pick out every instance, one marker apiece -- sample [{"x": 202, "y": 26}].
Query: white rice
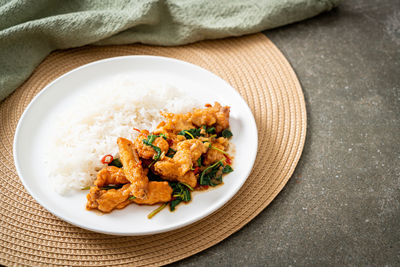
[{"x": 89, "y": 129}]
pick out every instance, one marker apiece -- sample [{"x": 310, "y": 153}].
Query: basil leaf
[
  {"x": 163, "y": 136},
  {"x": 227, "y": 169},
  {"x": 171, "y": 152},
  {"x": 151, "y": 138},
  {"x": 180, "y": 192},
  {"x": 191, "y": 133},
  {"x": 116, "y": 162},
  {"x": 216, "y": 181},
  {"x": 211, "y": 130},
  {"x": 158, "y": 150},
  {"x": 174, "y": 203},
  {"x": 227, "y": 133},
  {"x": 199, "y": 162},
  {"x": 209, "y": 173},
  {"x": 149, "y": 141}
]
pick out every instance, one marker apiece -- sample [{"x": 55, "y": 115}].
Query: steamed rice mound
[{"x": 89, "y": 129}]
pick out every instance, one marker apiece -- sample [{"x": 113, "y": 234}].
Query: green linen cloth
[{"x": 31, "y": 29}]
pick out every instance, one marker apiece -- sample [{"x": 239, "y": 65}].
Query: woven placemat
[{"x": 252, "y": 65}]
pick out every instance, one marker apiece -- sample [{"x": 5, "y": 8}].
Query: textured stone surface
[{"x": 342, "y": 204}]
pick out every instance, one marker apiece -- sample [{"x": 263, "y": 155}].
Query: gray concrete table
[{"x": 342, "y": 204}]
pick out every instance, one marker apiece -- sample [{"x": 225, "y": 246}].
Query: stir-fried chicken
[
  {"x": 145, "y": 151},
  {"x": 158, "y": 192},
  {"x": 188, "y": 152},
  {"x": 107, "y": 200},
  {"x": 174, "y": 124},
  {"x": 132, "y": 168},
  {"x": 188, "y": 178},
  {"x": 110, "y": 175},
  {"x": 214, "y": 155},
  {"x": 183, "y": 149},
  {"x": 194, "y": 147},
  {"x": 212, "y": 115}
]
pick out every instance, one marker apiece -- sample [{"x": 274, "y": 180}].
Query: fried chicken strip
[
  {"x": 110, "y": 175},
  {"x": 132, "y": 168},
  {"x": 107, "y": 200},
  {"x": 158, "y": 192},
  {"x": 178, "y": 168}
]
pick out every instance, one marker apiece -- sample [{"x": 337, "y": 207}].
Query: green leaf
[
  {"x": 188, "y": 186},
  {"x": 174, "y": 203},
  {"x": 183, "y": 133},
  {"x": 191, "y": 133},
  {"x": 186, "y": 196},
  {"x": 216, "y": 181},
  {"x": 158, "y": 150},
  {"x": 227, "y": 133},
  {"x": 170, "y": 153},
  {"x": 163, "y": 136},
  {"x": 211, "y": 130},
  {"x": 227, "y": 169},
  {"x": 205, "y": 180},
  {"x": 181, "y": 192},
  {"x": 149, "y": 141},
  {"x": 132, "y": 198},
  {"x": 116, "y": 162},
  {"x": 199, "y": 162},
  {"x": 209, "y": 173}
]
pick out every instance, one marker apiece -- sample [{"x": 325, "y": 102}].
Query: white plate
[{"x": 30, "y": 138}]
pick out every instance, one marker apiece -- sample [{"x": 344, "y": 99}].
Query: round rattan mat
[{"x": 32, "y": 236}]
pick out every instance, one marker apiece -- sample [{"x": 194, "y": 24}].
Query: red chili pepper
[
  {"x": 196, "y": 170},
  {"x": 107, "y": 159},
  {"x": 228, "y": 159},
  {"x": 136, "y": 129}
]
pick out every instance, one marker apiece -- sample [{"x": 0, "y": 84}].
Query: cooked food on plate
[
  {"x": 184, "y": 153},
  {"x": 91, "y": 125}
]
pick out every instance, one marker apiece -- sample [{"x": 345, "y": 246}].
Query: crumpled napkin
[{"x": 30, "y": 30}]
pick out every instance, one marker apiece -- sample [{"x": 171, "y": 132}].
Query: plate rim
[{"x": 163, "y": 230}]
